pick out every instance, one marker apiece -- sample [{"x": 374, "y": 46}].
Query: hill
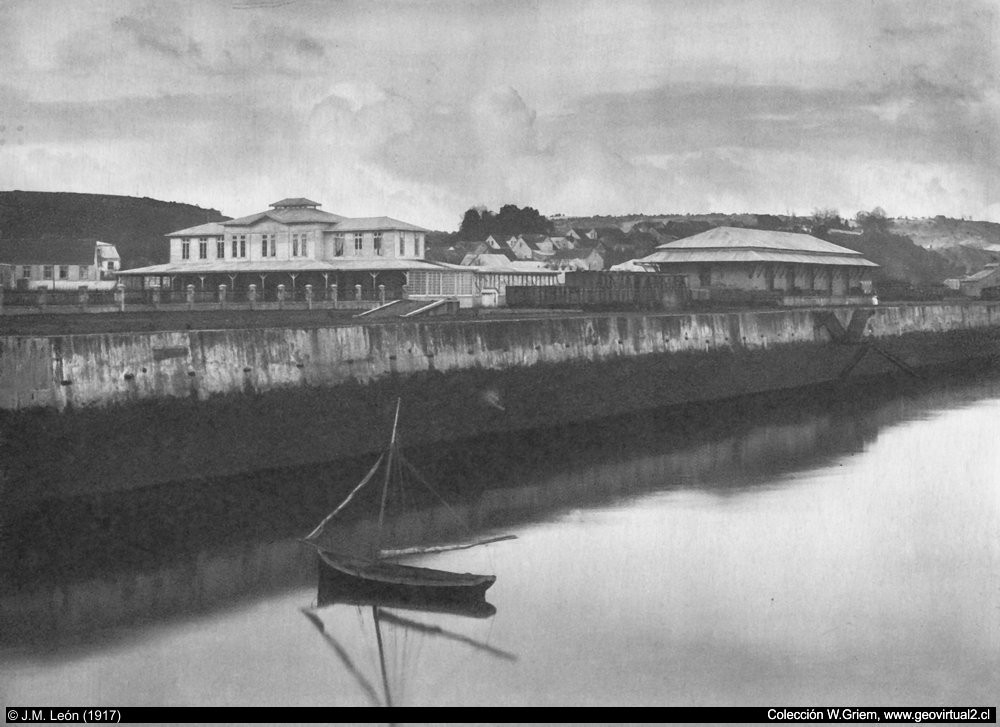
[
  {"x": 135, "y": 225},
  {"x": 898, "y": 257},
  {"x": 901, "y": 259},
  {"x": 940, "y": 232}
]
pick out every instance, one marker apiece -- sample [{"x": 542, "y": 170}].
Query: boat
[
  {"x": 334, "y": 589},
  {"x": 367, "y": 569}
]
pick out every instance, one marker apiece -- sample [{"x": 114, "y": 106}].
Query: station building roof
[{"x": 284, "y": 266}]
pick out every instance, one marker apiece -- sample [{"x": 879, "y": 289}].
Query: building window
[
  {"x": 419, "y": 245},
  {"x": 304, "y": 250},
  {"x": 359, "y": 243},
  {"x": 295, "y": 245},
  {"x": 47, "y": 272},
  {"x": 267, "y": 246},
  {"x": 235, "y": 247},
  {"x": 220, "y": 248},
  {"x": 243, "y": 245},
  {"x": 64, "y": 272},
  {"x": 338, "y": 244},
  {"x": 84, "y": 272},
  {"x": 274, "y": 248},
  {"x": 402, "y": 244},
  {"x": 185, "y": 250},
  {"x": 263, "y": 245},
  {"x": 203, "y": 248},
  {"x": 26, "y": 272},
  {"x": 377, "y": 241}
]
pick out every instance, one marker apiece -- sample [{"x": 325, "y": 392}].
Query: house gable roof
[
  {"x": 989, "y": 270},
  {"x": 48, "y": 251},
  {"x": 534, "y": 238},
  {"x": 607, "y": 231}
]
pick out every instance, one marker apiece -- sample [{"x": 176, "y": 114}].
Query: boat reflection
[{"x": 377, "y": 615}]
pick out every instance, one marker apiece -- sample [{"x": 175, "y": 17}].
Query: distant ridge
[
  {"x": 135, "y": 225},
  {"x": 915, "y": 251}
]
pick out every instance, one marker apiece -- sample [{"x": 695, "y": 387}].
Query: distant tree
[
  {"x": 769, "y": 222},
  {"x": 823, "y": 220},
  {"x": 685, "y": 228},
  {"x": 478, "y": 223},
  {"x": 472, "y": 225},
  {"x": 873, "y": 223}
]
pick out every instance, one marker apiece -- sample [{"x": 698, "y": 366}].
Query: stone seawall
[
  {"x": 126, "y": 410},
  {"x": 115, "y": 369}
]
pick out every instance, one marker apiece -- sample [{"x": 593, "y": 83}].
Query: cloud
[
  {"x": 359, "y": 118},
  {"x": 578, "y": 107},
  {"x": 503, "y": 124},
  {"x": 159, "y": 35}
]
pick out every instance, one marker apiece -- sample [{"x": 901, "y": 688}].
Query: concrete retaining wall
[
  {"x": 80, "y": 414},
  {"x": 113, "y": 369}
]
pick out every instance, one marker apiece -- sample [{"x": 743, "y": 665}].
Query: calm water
[{"x": 802, "y": 552}]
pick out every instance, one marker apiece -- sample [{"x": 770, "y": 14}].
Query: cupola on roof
[{"x": 293, "y": 202}]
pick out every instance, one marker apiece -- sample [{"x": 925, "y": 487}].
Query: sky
[{"x": 420, "y": 109}]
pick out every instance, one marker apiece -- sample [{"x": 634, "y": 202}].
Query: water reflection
[
  {"x": 728, "y": 548},
  {"x": 385, "y": 623}
]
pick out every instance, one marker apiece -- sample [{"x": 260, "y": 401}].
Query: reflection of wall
[
  {"x": 147, "y": 408},
  {"x": 43, "y": 595}
]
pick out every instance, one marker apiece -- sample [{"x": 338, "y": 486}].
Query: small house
[
  {"x": 58, "y": 263},
  {"x": 983, "y": 284},
  {"x": 581, "y": 259}
]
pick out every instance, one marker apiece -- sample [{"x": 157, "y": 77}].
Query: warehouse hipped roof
[{"x": 737, "y": 244}]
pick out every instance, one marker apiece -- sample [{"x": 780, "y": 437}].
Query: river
[{"x": 832, "y": 547}]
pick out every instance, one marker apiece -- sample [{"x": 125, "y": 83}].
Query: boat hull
[{"x": 345, "y": 580}]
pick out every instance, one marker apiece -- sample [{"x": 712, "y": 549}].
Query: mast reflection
[{"x": 377, "y": 616}]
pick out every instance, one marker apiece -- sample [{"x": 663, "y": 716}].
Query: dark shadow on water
[
  {"x": 72, "y": 567},
  {"x": 332, "y": 617}
]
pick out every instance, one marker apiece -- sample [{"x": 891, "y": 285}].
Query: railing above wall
[{"x": 84, "y": 300}]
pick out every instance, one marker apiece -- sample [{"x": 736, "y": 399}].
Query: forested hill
[{"x": 135, "y": 225}]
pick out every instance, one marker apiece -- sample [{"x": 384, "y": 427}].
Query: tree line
[{"x": 479, "y": 222}]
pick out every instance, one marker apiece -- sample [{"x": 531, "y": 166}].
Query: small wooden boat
[
  {"x": 371, "y": 573},
  {"x": 401, "y": 583},
  {"x": 338, "y": 587}
]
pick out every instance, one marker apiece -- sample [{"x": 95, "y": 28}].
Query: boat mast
[
  {"x": 388, "y": 474},
  {"x": 381, "y": 652}
]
